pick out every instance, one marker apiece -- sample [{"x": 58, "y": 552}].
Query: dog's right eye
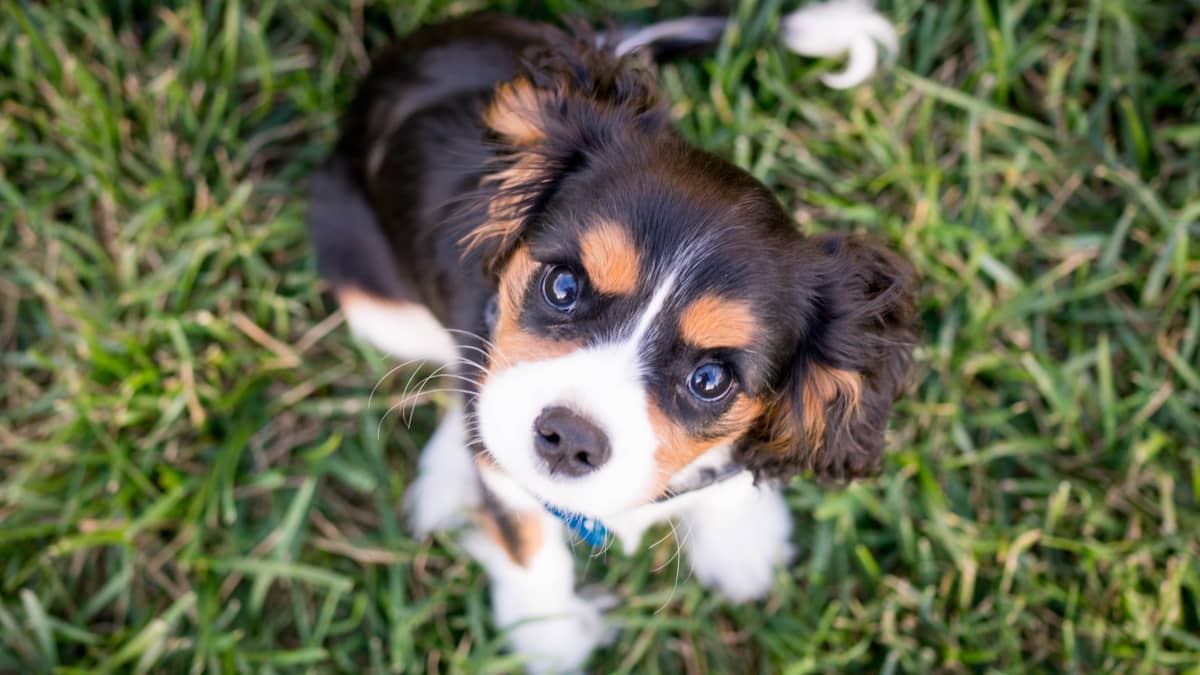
[
  {"x": 560, "y": 287},
  {"x": 710, "y": 382}
]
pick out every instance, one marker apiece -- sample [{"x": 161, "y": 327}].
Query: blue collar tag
[{"x": 590, "y": 530}]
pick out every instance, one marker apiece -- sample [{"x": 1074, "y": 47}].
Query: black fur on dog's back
[{"x": 411, "y": 147}]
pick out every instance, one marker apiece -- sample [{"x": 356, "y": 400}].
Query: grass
[{"x": 190, "y": 474}]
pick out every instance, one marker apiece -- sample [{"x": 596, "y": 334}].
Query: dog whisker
[
  {"x": 462, "y": 378},
  {"x": 416, "y": 398},
  {"x": 420, "y": 388},
  {"x": 482, "y": 352},
  {"x": 388, "y": 374},
  {"x": 412, "y": 377},
  {"x": 487, "y": 342}
]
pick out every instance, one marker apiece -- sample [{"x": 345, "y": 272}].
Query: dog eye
[
  {"x": 710, "y": 381},
  {"x": 560, "y": 287}
]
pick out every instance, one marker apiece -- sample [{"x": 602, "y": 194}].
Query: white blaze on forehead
[
  {"x": 602, "y": 383},
  {"x": 650, "y": 313}
]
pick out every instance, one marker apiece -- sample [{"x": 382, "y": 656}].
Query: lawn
[{"x": 194, "y": 478}]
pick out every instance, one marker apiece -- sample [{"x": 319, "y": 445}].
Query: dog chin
[{"x": 593, "y": 496}]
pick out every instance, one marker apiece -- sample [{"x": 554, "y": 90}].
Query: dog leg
[
  {"x": 406, "y": 330},
  {"x": 735, "y": 538},
  {"x": 533, "y": 591},
  {"x": 446, "y": 489},
  {"x": 355, "y": 257}
]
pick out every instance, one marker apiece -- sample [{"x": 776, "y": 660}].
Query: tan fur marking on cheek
[
  {"x": 742, "y": 415},
  {"x": 512, "y": 343},
  {"x": 516, "y": 346},
  {"x": 677, "y": 448},
  {"x": 822, "y": 386},
  {"x": 515, "y": 112},
  {"x": 519, "y": 534},
  {"x": 610, "y": 258},
  {"x": 513, "y": 281},
  {"x": 711, "y": 321}
]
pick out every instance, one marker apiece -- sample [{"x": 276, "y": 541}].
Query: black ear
[
  {"x": 851, "y": 363},
  {"x": 572, "y": 100}
]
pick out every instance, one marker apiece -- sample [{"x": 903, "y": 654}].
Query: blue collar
[
  {"x": 594, "y": 533},
  {"x": 590, "y": 530}
]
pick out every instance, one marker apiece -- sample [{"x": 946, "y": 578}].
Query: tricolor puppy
[{"x": 639, "y": 330}]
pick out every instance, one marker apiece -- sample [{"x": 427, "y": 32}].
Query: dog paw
[
  {"x": 742, "y": 576},
  {"x": 562, "y": 643},
  {"x": 602, "y": 602},
  {"x": 738, "y": 555}
]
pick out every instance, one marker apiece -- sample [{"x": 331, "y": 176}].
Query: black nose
[{"x": 570, "y": 444}]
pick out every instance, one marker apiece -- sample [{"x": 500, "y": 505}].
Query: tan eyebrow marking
[
  {"x": 610, "y": 258},
  {"x": 712, "y": 321}
]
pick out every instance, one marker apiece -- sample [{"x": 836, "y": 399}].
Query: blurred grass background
[{"x": 190, "y": 475}]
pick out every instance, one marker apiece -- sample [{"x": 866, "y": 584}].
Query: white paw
[
  {"x": 735, "y": 545},
  {"x": 743, "y": 576},
  {"x": 446, "y": 487},
  {"x": 548, "y": 624},
  {"x": 562, "y": 642}
]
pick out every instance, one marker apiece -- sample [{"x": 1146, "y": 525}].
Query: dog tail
[
  {"x": 820, "y": 29},
  {"x": 670, "y": 39}
]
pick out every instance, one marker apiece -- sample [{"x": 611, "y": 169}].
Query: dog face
[{"x": 655, "y": 303}]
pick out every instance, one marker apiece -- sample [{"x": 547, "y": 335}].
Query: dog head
[{"x": 656, "y": 303}]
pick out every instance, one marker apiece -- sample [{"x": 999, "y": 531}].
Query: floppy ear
[
  {"x": 851, "y": 362},
  {"x": 571, "y": 101}
]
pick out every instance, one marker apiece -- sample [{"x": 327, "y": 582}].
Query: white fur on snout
[{"x": 603, "y": 384}]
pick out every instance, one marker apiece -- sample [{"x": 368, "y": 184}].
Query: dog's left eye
[
  {"x": 710, "y": 381},
  {"x": 560, "y": 287}
]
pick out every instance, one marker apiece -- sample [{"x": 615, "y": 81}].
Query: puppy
[{"x": 639, "y": 330}]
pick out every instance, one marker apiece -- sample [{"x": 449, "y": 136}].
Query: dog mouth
[{"x": 537, "y": 486}]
